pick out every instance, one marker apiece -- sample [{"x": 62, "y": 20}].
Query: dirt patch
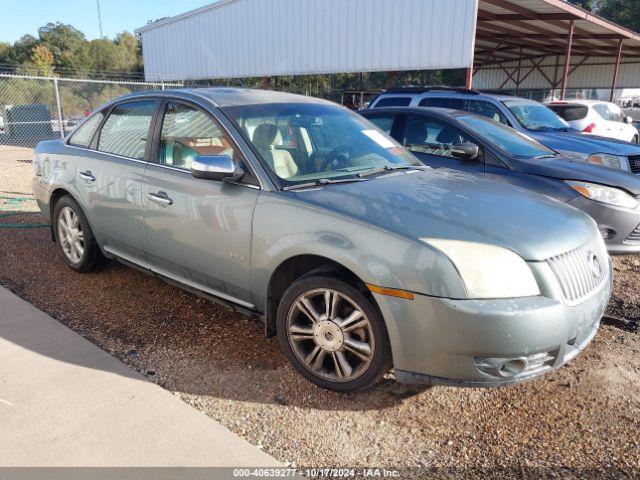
[{"x": 585, "y": 416}]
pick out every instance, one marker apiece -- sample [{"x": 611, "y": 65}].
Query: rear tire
[
  {"x": 74, "y": 236},
  {"x": 635, "y": 139},
  {"x": 332, "y": 334}
]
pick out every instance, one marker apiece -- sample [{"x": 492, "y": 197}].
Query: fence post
[{"x": 58, "y": 107}]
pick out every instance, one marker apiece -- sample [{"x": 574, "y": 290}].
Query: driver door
[
  {"x": 431, "y": 139},
  {"x": 197, "y": 232}
]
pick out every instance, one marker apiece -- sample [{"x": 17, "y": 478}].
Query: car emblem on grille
[{"x": 594, "y": 264}]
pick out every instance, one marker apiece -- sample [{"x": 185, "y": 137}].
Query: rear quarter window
[
  {"x": 570, "y": 112},
  {"x": 394, "y": 102},
  {"x": 84, "y": 134}
]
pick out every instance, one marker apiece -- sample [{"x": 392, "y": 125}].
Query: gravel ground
[{"x": 584, "y": 417}]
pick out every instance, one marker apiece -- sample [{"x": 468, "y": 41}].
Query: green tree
[
  {"x": 68, "y": 45},
  {"x": 42, "y": 60},
  {"x": 624, "y": 12}
]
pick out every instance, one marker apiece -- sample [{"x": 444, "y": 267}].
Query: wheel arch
[
  {"x": 56, "y": 195},
  {"x": 297, "y": 266}
]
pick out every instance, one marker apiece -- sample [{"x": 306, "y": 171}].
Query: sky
[{"x": 20, "y": 17}]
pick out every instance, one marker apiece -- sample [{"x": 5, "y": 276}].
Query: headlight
[
  {"x": 602, "y": 194},
  {"x": 488, "y": 271},
  {"x": 613, "y": 161}
]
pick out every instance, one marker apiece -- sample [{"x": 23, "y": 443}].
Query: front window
[
  {"x": 424, "y": 134},
  {"x": 535, "y": 116},
  {"x": 511, "y": 142},
  {"x": 306, "y": 142},
  {"x": 187, "y": 133}
]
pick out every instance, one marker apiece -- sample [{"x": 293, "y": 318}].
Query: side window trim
[
  {"x": 157, "y": 132},
  {"x": 96, "y": 136}
]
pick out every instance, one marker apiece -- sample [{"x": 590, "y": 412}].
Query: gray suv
[{"x": 305, "y": 215}]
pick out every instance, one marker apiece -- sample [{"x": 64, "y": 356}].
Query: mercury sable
[{"x": 356, "y": 256}]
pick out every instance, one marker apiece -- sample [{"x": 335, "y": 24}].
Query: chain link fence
[{"x": 33, "y": 108}]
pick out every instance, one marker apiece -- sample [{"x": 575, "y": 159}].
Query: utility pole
[{"x": 99, "y": 19}]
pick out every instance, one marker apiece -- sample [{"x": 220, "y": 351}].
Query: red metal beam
[
  {"x": 615, "y": 71},
  {"x": 567, "y": 61}
]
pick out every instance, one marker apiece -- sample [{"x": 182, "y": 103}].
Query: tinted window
[
  {"x": 479, "y": 107},
  {"x": 188, "y": 132},
  {"x": 439, "y": 102},
  {"x": 303, "y": 142},
  {"x": 393, "y": 102},
  {"x": 510, "y": 141},
  {"x": 429, "y": 135},
  {"x": 83, "y": 135},
  {"x": 383, "y": 122},
  {"x": 126, "y": 130},
  {"x": 570, "y": 112}
]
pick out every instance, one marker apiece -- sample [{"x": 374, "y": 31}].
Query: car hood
[
  {"x": 448, "y": 204},
  {"x": 565, "y": 168},
  {"x": 585, "y": 144}
]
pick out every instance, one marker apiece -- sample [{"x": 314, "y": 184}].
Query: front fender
[{"x": 284, "y": 228}]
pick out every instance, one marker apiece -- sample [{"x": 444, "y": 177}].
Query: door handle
[
  {"x": 160, "y": 198},
  {"x": 87, "y": 175}
]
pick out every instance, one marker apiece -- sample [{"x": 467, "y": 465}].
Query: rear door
[
  {"x": 109, "y": 176},
  {"x": 197, "y": 232}
]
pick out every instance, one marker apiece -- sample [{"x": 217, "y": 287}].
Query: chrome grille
[
  {"x": 582, "y": 270},
  {"x": 634, "y": 164},
  {"x": 634, "y": 237}
]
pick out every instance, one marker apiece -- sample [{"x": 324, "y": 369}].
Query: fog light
[
  {"x": 607, "y": 233},
  {"x": 511, "y": 367}
]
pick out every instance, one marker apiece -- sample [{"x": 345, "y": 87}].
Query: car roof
[
  {"x": 576, "y": 101},
  {"x": 230, "y": 96},
  {"x": 437, "y": 111},
  {"x": 451, "y": 92}
]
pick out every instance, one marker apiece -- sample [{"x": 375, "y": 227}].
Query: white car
[{"x": 597, "y": 118}]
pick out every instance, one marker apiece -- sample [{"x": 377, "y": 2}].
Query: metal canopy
[{"x": 550, "y": 41}]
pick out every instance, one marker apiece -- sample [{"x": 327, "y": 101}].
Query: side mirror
[
  {"x": 466, "y": 151},
  {"x": 216, "y": 167},
  {"x": 628, "y": 120}
]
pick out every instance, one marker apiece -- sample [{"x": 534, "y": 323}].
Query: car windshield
[
  {"x": 307, "y": 142},
  {"x": 510, "y": 141},
  {"x": 535, "y": 116}
]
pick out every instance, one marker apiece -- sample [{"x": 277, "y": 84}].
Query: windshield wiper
[
  {"x": 547, "y": 155},
  {"x": 322, "y": 181},
  {"x": 390, "y": 169}
]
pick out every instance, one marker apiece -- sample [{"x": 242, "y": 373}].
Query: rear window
[
  {"x": 570, "y": 112},
  {"x": 394, "y": 102}
]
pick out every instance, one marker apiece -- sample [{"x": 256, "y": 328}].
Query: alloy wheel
[
  {"x": 330, "y": 335},
  {"x": 70, "y": 234}
]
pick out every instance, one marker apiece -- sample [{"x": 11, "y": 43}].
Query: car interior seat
[
  {"x": 416, "y": 135},
  {"x": 265, "y": 138}
]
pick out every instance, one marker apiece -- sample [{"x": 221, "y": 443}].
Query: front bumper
[
  {"x": 621, "y": 222},
  {"x": 444, "y": 341}
]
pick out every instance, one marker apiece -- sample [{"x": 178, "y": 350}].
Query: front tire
[
  {"x": 74, "y": 236},
  {"x": 333, "y": 334}
]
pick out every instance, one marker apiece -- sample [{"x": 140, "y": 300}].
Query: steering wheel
[{"x": 337, "y": 154}]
